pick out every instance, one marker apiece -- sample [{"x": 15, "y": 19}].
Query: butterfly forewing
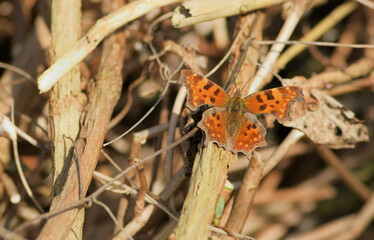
[
  {"x": 202, "y": 91},
  {"x": 276, "y": 101}
]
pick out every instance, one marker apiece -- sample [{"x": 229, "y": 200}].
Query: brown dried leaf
[{"x": 331, "y": 124}]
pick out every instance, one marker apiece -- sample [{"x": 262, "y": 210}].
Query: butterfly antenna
[
  {"x": 239, "y": 63},
  {"x": 270, "y": 70},
  {"x": 236, "y": 87},
  {"x": 246, "y": 45},
  {"x": 247, "y": 82}
]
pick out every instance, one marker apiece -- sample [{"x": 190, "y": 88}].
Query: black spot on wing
[
  {"x": 269, "y": 95},
  {"x": 216, "y": 92},
  {"x": 262, "y": 107},
  {"x": 208, "y": 85},
  {"x": 258, "y": 98},
  {"x": 212, "y": 100}
]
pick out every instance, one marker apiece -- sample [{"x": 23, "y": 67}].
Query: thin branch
[
  {"x": 321, "y": 28},
  {"x": 28, "y": 138},
  {"x": 112, "y": 217},
  {"x": 316, "y": 43},
  {"x": 285, "y": 33},
  {"x": 202, "y": 11},
  {"x": 366, "y": 3},
  {"x": 131, "y": 191},
  {"x": 8, "y": 235},
  {"x": 129, "y": 101},
  {"x": 292, "y": 138},
  {"x": 347, "y": 176},
  {"x": 246, "y": 194},
  {"x": 233, "y": 45},
  {"x": 10, "y": 188},
  {"x": 18, "y": 71},
  {"x": 103, "y": 188},
  {"x": 95, "y": 35},
  {"x": 148, "y": 112},
  {"x": 360, "y": 222},
  {"x": 20, "y": 171},
  {"x": 115, "y": 165}
]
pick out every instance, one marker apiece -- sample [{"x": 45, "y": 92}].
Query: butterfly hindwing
[
  {"x": 250, "y": 134},
  {"x": 249, "y": 131},
  {"x": 213, "y": 124}
]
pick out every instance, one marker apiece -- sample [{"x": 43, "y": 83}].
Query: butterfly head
[{"x": 236, "y": 104}]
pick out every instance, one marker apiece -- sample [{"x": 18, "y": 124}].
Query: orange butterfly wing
[
  {"x": 202, "y": 91},
  {"x": 214, "y": 125},
  {"x": 250, "y": 134},
  {"x": 276, "y": 101}
]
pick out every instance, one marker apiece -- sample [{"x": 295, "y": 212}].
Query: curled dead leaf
[{"x": 331, "y": 124}]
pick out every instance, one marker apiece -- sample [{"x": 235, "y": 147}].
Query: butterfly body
[
  {"x": 231, "y": 122},
  {"x": 236, "y": 108}
]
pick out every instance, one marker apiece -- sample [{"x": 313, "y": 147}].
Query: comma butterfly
[{"x": 231, "y": 122}]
